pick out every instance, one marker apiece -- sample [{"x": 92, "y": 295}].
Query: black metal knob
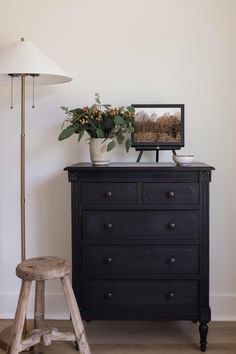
[
  {"x": 171, "y": 194},
  {"x": 108, "y": 226},
  {"x": 170, "y": 295},
  {"x": 172, "y": 225},
  {"x": 108, "y": 295},
  {"x": 108, "y": 260},
  {"x": 171, "y": 261},
  {"x": 108, "y": 195}
]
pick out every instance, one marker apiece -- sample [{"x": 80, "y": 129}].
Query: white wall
[{"x": 131, "y": 51}]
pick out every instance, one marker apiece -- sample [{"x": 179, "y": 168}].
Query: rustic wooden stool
[{"x": 40, "y": 269}]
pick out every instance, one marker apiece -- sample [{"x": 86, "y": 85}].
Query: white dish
[{"x": 183, "y": 159}]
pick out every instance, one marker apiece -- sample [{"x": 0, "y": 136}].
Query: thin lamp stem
[{"x": 22, "y": 164}]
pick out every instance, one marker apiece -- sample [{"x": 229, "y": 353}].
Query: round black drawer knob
[
  {"x": 108, "y": 195},
  {"x": 108, "y": 226},
  {"x": 108, "y": 295},
  {"x": 172, "y": 261},
  {"x": 108, "y": 260},
  {"x": 172, "y": 225},
  {"x": 171, "y": 194},
  {"x": 171, "y": 296}
]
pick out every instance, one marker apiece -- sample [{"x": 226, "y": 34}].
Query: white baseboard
[
  {"x": 223, "y": 306},
  {"x": 56, "y": 307}
]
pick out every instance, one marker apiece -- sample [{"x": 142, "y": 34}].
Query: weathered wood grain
[{"x": 43, "y": 268}]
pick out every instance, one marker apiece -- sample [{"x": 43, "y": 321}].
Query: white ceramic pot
[{"x": 98, "y": 151}]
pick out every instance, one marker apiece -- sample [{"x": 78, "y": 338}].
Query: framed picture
[{"x": 158, "y": 126}]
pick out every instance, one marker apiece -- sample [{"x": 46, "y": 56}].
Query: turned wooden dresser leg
[
  {"x": 20, "y": 317},
  {"x": 75, "y": 316},
  {"x": 203, "y": 330},
  {"x": 39, "y": 310}
]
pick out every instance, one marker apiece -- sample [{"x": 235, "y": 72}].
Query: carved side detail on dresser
[
  {"x": 204, "y": 176},
  {"x": 73, "y": 176}
]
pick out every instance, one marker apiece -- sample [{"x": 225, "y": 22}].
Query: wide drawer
[
  {"x": 166, "y": 293},
  {"x": 109, "y": 193},
  {"x": 170, "y": 193},
  {"x": 139, "y": 261},
  {"x": 144, "y": 225}
]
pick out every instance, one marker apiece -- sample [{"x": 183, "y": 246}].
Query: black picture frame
[{"x": 174, "y": 145}]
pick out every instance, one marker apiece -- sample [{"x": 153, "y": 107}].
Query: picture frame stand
[{"x": 157, "y": 153}]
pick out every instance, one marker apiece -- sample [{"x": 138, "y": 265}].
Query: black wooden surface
[
  {"x": 164, "y": 293},
  {"x": 140, "y": 241},
  {"x": 134, "y": 261},
  {"x": 109, "y": 193},
  {"x": 139, "y": 224},
  {"x": 170, "y": 193}
]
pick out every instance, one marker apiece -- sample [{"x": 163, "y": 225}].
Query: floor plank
[{"x": 145, "y": 337}]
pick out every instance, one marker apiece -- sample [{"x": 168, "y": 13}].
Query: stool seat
[{"x": 43, "y": 268}]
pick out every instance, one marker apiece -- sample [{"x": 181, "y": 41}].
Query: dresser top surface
[{"x": 170, "y": 166}]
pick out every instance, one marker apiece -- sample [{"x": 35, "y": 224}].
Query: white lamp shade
[{"x": 25, "y": 58}]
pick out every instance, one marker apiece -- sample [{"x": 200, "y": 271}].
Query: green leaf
[
  {"x": 67, "y": 132},
  {"x": 77, "y": 110},
  {"x": 111, "y": 145},
  {"x": 120, "y": 138},
  {"x": 108, "y": 122},
  {"x": 92, "y": 108},
  {"x": 119, "y": 120},
  {"x": 100, "y": 133},
  {"x": 77, "y": 117},
  {"x": 90, "y": 122},
  {"x": 107, "y": 106},
  {"x": 128, "y": 144},
  {"x": 97, "y": 98},
  {"x": 81, "y": 133},
  {"x": 65, "y": 109},
  {"x": 130, "y": 109}
]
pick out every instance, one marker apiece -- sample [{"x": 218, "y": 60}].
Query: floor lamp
[{"x": 24, "y": 62}]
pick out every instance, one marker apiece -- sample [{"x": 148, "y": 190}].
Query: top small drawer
[
  {"x": 170, "y": 193},
  {"x": 109, "y": 193}
]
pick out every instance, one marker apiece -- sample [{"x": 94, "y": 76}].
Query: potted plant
[{"x": 105, "y": 125}]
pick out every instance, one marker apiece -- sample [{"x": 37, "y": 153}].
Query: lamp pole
[{"x": 22, "y": 164}]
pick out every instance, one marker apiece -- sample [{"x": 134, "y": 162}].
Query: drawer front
[
  {"x": 139, "y": 261},
  {"x": 109, "y": 193},
  {"x": 166, "y": 293},
  {"x": 170, "y": 193},
  {"x": 144, "y": 225}
]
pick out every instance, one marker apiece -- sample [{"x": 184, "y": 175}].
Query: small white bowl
[{"x": 183, "y": 159}]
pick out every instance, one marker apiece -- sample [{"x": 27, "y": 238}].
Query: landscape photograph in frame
[{"x": 158, "y": 125}]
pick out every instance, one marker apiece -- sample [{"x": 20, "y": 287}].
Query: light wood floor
[{"x": 147, "y": 337}]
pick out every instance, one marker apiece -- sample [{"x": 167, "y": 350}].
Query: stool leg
[
  {"x": 39, "y": 309},
  {"x": 75, "y": 316},
  {"x": 20, "y": 317}
]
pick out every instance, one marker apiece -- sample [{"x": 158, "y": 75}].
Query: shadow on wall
[
  {"x": 51, "y": 218},
  {"x": 49, "y": 214}
]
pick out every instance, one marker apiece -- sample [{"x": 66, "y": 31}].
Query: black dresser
[{"x": 140, "y": 242}]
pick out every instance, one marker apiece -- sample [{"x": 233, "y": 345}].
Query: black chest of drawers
[{"x": 140, "y": 242}]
